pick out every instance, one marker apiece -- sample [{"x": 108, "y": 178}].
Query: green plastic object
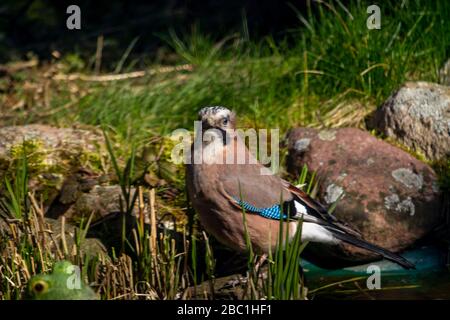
[{"x": 61, "y": 284}]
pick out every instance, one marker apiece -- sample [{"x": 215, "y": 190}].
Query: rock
[
  {"x": 100, "y": 200},
  {"x": 85, "y": 193},
  {"x": 89, "y": 246},
  {"x": 81, "y": 194},
  {"x": 390, "y": 197},
  {"x": 418, "y": 116},
  {"x": 62, "y": 139},
  {"x": 53, "y": 154},
  {"x": 224, "y": 288}
]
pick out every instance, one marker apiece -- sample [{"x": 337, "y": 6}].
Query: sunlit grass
[{"x": 332, "y": 59}]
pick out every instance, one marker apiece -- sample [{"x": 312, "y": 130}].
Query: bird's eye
[
  {"x": 225, "y": 121},
  {"x": 40, "y": 286}
]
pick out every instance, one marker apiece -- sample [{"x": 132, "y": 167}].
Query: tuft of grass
[
  {"x": 282, "y": 280},
  {"x": 16, "y": 204}
]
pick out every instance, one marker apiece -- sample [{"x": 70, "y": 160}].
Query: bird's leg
[{"x": 260, "y": 262}]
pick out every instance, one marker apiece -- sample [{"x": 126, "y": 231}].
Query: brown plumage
[{"x": 215, "y": 186}]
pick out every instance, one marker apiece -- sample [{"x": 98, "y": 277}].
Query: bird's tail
[{"x": 374, "y": 248}]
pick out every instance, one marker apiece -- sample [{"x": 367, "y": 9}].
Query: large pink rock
[{"x": 392, "y": 198}]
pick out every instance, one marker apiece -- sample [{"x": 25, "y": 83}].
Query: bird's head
[{"x": 217, "y": 117}]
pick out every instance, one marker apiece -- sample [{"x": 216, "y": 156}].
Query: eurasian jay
[{"x": 220, "y": 190}]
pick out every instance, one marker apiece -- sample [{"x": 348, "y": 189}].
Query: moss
[
  {"x": 415, "y": 153},
  {"x": 175, "y": 175},
  {"x": 442, "y": 169},
  {"x": 87, "y": 159},
  {"x": 48, "y": 167},
  {"x": 166, "y": 156},
  {"x": 34, "y": 152}
]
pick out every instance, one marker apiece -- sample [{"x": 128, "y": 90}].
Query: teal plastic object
[
  {"x": 430, "y": 279},
  {"x": 426, "y": 259}
]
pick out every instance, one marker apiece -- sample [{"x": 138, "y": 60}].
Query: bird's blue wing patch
[{"x": 273, "y": 212}]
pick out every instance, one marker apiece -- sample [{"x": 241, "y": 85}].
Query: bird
[{"x": 221, "y": 189}]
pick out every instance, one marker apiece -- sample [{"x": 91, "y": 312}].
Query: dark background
[{"x": 39, "y": 26}]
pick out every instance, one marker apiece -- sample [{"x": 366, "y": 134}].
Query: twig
[
  {"x": 98, "y": 54},
  {"x": 17, "y": 66},
  {"x": 63, "y": 236},
  {"x": 40, "y": 221},
  {"x": 141, "y": 208},
  {"x": 122, "y": 76},
  {"x": 152, "y": 221}
]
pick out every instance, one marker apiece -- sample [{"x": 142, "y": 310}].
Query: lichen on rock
[
  {"x": 408, "y": 178},
  {"x": 327, "y": 135},
  {"x": 302, "y": 144},
  {"x": 393, "y": 202},
  {"x": 417, "y": 115},
  {"x": 333, "y": 193}
]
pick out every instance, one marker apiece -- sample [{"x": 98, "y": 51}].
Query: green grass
[
  {"x": 330, "y": 58},
  {"x": 152, "y": 267}
]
